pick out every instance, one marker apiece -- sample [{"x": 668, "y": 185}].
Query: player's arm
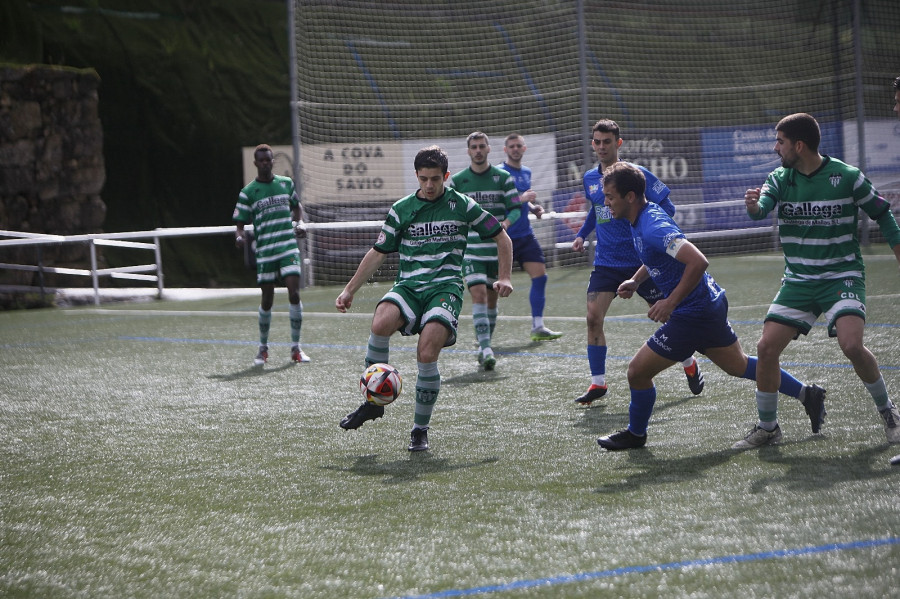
[
  {"x": 370, "y": 263},
  {"x": 514, "y": 205},
  {"x": 627, "y": 288},
  {"x": 658, "y": 192},
  {"x": 590, "y": 222},
  {"x": 297, "y": 221},
  {"x": 503, "y": 285},
  {"x": 758, "y": 205},
  {"x": 239, "y": 233},
  {"x": 695, "y": 264}
]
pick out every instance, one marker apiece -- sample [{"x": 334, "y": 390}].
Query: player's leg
[
  {"x": 644, "y": 366},
  {"x": 481, "y": 322},
  {"x": 529, "y": 254},
  {"x": 849, "y": 329},
  {"x": 770, "y": 379},
  {"x": 387, "y": 320},
  {"x": 439, "y": 331},
  {"x": 599, "y": 298},
  {"x": 295, "y": 314},
  {"x": 264, "y": 321}
]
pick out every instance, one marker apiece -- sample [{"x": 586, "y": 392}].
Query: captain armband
[{"x": 674, "y": 244}]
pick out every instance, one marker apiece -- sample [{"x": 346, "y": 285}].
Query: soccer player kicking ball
[
  {"x": 818, "y": 199},
  {"x": 693, "y": 309},
  {"x": 428, "y": 229}
]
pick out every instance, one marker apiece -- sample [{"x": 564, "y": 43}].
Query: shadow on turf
[
  {"x": 803, "y": 473},
  {"x": 596, "y": 420},
  {"x": 251, "y": 371},
  {"x": 816, "y": 473},
  {"x": 403, "y": 471}
]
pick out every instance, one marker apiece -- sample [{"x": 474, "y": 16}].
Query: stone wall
[{"x": 51, "y": 163}]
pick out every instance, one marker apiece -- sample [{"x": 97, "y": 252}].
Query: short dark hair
[
  {"x": 897, "y": 83},
  {"x": 511, "y": 137},
  {"x": 801, "y": 127},
  {"x": 477, "y": 135},
  {"x": 262, "y": 148},
  {"x": 625, "y": 177},
  {"x": 606, "y": 126},
  {"x": 432, "y": 157}
]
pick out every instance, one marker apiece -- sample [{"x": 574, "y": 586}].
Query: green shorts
[
  {"x": 480, "y": 272},
  {"x": 799, "y": 303},
  {"x": 441, "y": 304},
  {"x": 268, "y": 273}
]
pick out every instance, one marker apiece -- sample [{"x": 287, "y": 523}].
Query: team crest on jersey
[
  {"x": 835, "y": 179},
  {"x": 452, "y": 204},
  {"x": 496, "y": 178},
  {"x": 848, "y": 283}
]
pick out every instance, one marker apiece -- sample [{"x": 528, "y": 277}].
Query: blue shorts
[
  {"x": 527, "y": 249},
  {"x": 604, "y": 278},
  {"x": 681, "y": 336}
]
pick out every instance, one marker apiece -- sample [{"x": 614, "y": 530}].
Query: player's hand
[
  {"x": 660, "y": 311},
  {"x": 751, "y": 200},
  {"x": 578, "y": 245},
  {"x": 300, "y": 230},
  {"x": 239, "y": 241},
  {"x": 627, "y": 288},
  {"x": 343, "y": 301},
  {"x": 503, "y": 287},
  {"x": 537, "y": 210}
]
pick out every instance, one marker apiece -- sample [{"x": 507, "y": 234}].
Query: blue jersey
[
  {"x": 613, "y": 249},
  {"x": 653, "y": 235},
  {"x": 522, "y": 177}
]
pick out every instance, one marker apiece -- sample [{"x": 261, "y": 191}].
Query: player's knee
[
  {"x": 853, "y": 348},
  {"x": 766, "y": 351},
  {"x": 637, "y": 378}
]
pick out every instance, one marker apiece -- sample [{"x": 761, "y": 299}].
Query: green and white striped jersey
[
  {"x": 495, "y": 190},
  {"x": 268, "y": 207},
  {"x": 431, "y": 238},
  {"x": 817, "y": 219}
]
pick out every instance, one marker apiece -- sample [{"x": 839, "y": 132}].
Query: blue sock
[
  {"x": 597, "y": 358},
  {"x": 639, "y": 410},
  {"x": 597, "y": 361},
  {"x": 537, "y": 296},
  {"x": 789, "y": 385}
]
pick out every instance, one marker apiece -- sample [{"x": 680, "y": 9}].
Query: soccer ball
[{"x": 380, "y": 384}]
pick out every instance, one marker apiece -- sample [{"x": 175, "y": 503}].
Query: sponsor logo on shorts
[{"x": 662, "y": 341}]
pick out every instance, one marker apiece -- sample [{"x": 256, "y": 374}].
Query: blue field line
[
  {"x": 362, "y": 348},
  {"x": 725, "y": 559}
]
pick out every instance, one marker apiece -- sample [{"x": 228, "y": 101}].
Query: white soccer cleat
[
  {"x": 891, "y": 419},
  {"x": 298, "y": 355},
  {"x": 757, "y": 437},
  {"x": 262, "y": 357}
]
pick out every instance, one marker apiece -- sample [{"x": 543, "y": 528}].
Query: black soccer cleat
[
  {"x": 814, "y": 404},
  {"x": 594, "y": 392},
  {"x": 356, "y": 418},
  {"x": 695, "y": 383},
  {"x": 418, "y": 439},
  {"x": 623, "y": 439}
]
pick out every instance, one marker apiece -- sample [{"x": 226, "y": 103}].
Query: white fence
[{"x": 152, "y": 271}]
